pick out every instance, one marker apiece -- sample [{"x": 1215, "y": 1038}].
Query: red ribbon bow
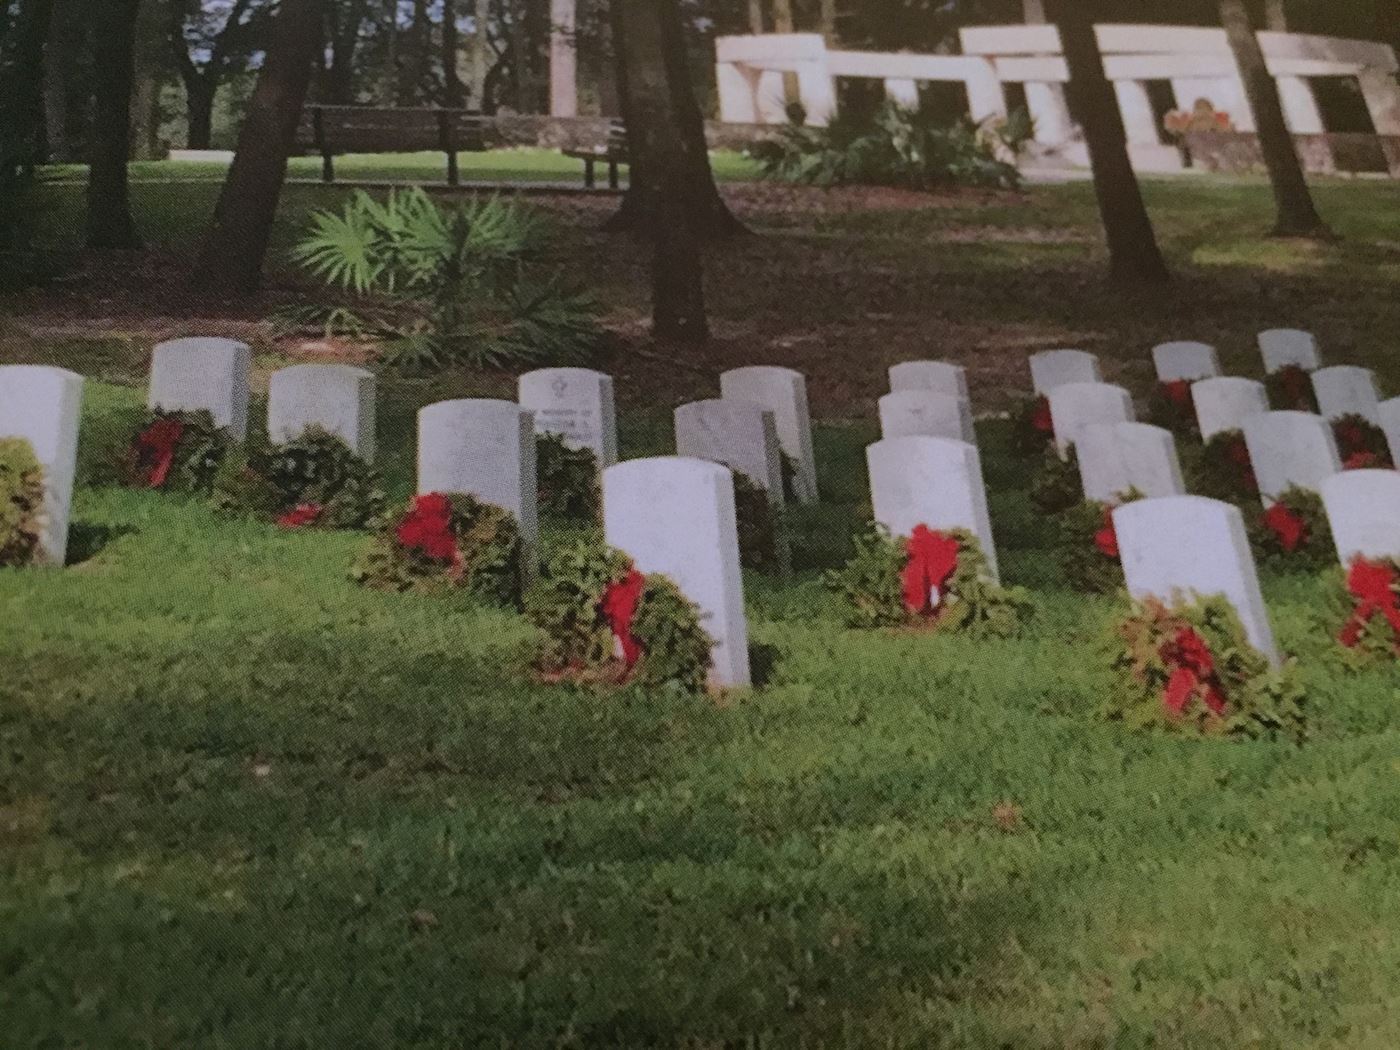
[
  {"x": 619, "y": 606},
  {"x": 933, "y": 558},
  {"x": 304, "y": 514},
  {"x": 427, "y": 527},
  {"x": 1106, "y": 539},
  {"x": 1372, "y": 584},
  {"x": 1178, "y": 392},
  {"x": 155, "y": 449},
  {"x": 1193, "y": 673},
  {"x": 1041, "y": 419},
  {"x": 1288, "y": 527}
]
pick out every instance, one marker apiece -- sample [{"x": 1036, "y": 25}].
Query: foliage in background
[
  {"x": 314, "y": 476},
  {"x": 762, "y": 541},
  {"x": 567, "y": 480},
  {"x": 1222, "y": 468},
  {"x": 478, "y": 550},
  {"x": 1152, "y": 646},
  {"x": 1056, "y": 486},
  {"x": 1088, "y": 546},
  {"x": 1292, "y": 535},
  {"x": 175, "y": 451},
  {"x": 871, "y": 587},
  {"x": 897, "y": 146},
  {"x": 437, "y": 286},
  {"x": 21, "y": 502},
  {"x": 576, "y": 641}
]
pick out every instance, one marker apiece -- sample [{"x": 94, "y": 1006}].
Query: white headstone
[
  {"x": 201, "y": 373},
  {"x": 1191, "y": 547},
  {"x": 1389, "y": 415},
  {"x": 909, "y": 413},
  {"x": 577, "y": 404},
  {"x": 42, "y": 406},
  {"x": 1363, "y": 509},
  {"x": 742, "y": 435},
  {"x": 1073, "y": 406},
  {"x": 1290, "y": 449},
  {"x": 337, "y": 398},
  {"x": 930, "y": 481},
  {"x": 1281, "y": 347},
  {"x": 1185, "y": 360},
  {"x": 784, "y": 393},
  {"x": 939, "y": 376},
  {"x": 675, "y": 516},
  {"x": 1115, "y": 458},
  {"x": 1346, "y": 390},
  {"x": 1054, "y": 368},
  {"x": 483, "y": 448},
  {"x": 1224, "y": 403}
]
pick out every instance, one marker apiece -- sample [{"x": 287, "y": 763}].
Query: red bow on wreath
[
  {"x": 933, "y": 558},
  {"x": 155, "y": 450},
  {"x": 619, "y": 606},
  {"x": 1040, "y": 418},
  {"x": 1372, "y": 584},
  {"x": 1288, "y": 527},
  {"x": 303, "y": 514},
  {"x": 1192, "y": 668},
  {"x": 1177, "y": 392},
  {"x": 1106, "y": 539},
  {"x": 427, "y": 527},
  {"x": 1237, "y": 452}
]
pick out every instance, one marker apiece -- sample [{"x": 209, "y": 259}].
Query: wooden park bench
[
  {"x": 612, "y": 154},
  {"x": 335, "y": 130}
]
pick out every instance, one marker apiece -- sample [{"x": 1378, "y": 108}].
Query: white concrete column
[
  {"x": 1299, "y": 106},
  {"x": 1139, "y": 120},
  {"x": 1382, "y": 95},
  {"x": 737, "y": 91},
  {"x": 1050, "y": 111},
  {"x": 816, "y": 88},
  {"x": 563, "y": 59},
  {"x": 905, "y": 92},
  {"x": 770, "y": 98},
  {"x": 985, "y": 99}
]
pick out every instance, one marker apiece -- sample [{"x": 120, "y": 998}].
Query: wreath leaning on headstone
[
  {"x": 21, "y": 502},
  {"x": 1032, "y": 428},
  {"x": 443, "y": 542},
  {"x": 933, "y": 579},
  {"x": 602, "y": 621},
  {"x": 1291, "y": 389},
  {"x": 175, "y": 451},
  {"x": 1087, "y": 547},
  {"x": 1172, "y": 406},
  {"x": 760, "y": 526},
  {"x": 1292, "y": 535},
  {"x": 567, "y": 479},
  {"x": 1222, "y": 469},
  {"x": 1367, "y": 604},
  {"x": 1056, "y": 486},
  {"x": 314, "y": 479},
  {"x": 1360, "y": 443},
  {"x": 1188, "y": 667}
]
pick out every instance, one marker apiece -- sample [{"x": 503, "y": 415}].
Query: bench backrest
[{"x": 368, "y": 129}]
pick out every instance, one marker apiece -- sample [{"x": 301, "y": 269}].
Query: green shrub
[
  {"x": 21, "y": 502},
  {"x": 567, "y": 480}
]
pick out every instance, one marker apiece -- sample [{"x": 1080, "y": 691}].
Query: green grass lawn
[{"x": 246, "y": 804}]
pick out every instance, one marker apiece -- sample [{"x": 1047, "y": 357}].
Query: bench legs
[
  {"x": 589, "y": 174},
  {"x": 454, "y": 175},
  {"x": 327, "y": 168},
  {"x": 612, "y": 175}
]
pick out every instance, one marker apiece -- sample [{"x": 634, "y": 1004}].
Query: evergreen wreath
[
  {"x": 602, "y": 621},
  {"x": 935, "y": 580},
  {"x": 1291, "y": 389},
  {"x": 1188, "y": 667},
  {"x": 314, "y": 479},
  {"x": 567, "y": 479},
  {"x": 21, "y": 502},
  {"x": 1032, "y": 428},
  {"x": 440, "y": 542},
  {"x": 1088, "y": 546},
  {"x": 760, "y": 525},
  {"x": 178, "y": 451},
  {"x": 1056, "y": 486},
  {"x": 1366, "y": 602},
  {"x": 1222, "y": 469},
  {"x": 1172, "y": 406},
  {"x": 1292, "y": 535},
  {"x": 1360, "y": 443}
]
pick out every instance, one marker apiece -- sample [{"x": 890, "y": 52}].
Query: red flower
[
  {"x": 1178, "y": 392},
  {"x": 305, "y": 514},
  {"x": 1372, "y": 584},
  {"x": 427, "y": 528},
  {"x": 1192, "y": 666},
  {"x": 933, "y": 558},
  {"x": 1040, "y": 416},
  {"x": 1288, "y": 527},
  {"x": 1106, "y": 539},
  {"x": 154, "y": 450},
  {"x": 619, "y": 606},
  {"x": 1362, "y": 460}
]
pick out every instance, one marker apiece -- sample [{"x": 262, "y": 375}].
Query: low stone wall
[
  {"x": 1239, "y": 152},
  {"x": 588, "y": 132}
]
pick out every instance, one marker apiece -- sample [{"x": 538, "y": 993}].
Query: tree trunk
[
  {"x": 236, "y": 245},
  {"x": 389, "y": 91},
  {"x": 109, "y": 224},
  {"x": 481, "y": 54},
  {"x": 145, "y": 116},
  {"x": 21, "y": 110},
  {"x": 519, "y": 61},
  {"x": 563, "y": 58},
  {"x": 1132, "y": 244},
  {"x": 58, "y": 51},
  {"x": 828, "y": 16},
  {"x": 1276, "y": 15},
  {"x": 658, "y": 158},
  {"x": 199, "y": 110},
  {"x": 414, "y": 81},
  {"x": 1297, "y": 215},
  {"x": 783, "y": 22},
  {"x": 451, "y": 80},
  {"x": 756, "y": 16}
]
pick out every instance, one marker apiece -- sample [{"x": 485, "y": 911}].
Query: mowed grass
[{"x": 244, "y": 803}]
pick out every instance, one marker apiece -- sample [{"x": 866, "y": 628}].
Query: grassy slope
[{"x": 244, "y": 804}]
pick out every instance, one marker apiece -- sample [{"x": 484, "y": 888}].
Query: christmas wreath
[
  {"x": 1360, "y": 443},
  {"x": 1222, "y": 469},
  {"x": 760, "y": 526},
  {"x": 180, "y": 451},
  {"x": 314, "y": 479},
  {"x": 603, "y": 621},
  {"x": 1369, "y": 606},
  {"x": 1292, "y": 535},
  {"x": 21, "y": 502},
  {"x": 567, "y": 479},
  {"x": 1173, "y": 407},
  {"x": 938, "y": 580},
  {"x": 1032, "y": 428},
  {"x": 1056, "y": 486},
  {"x": 1189, "y": 667},
  {"x": 442, "y": 541},
  {"x": 1291, "y": 389},
  {"x": 1088, "y": 546}
]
